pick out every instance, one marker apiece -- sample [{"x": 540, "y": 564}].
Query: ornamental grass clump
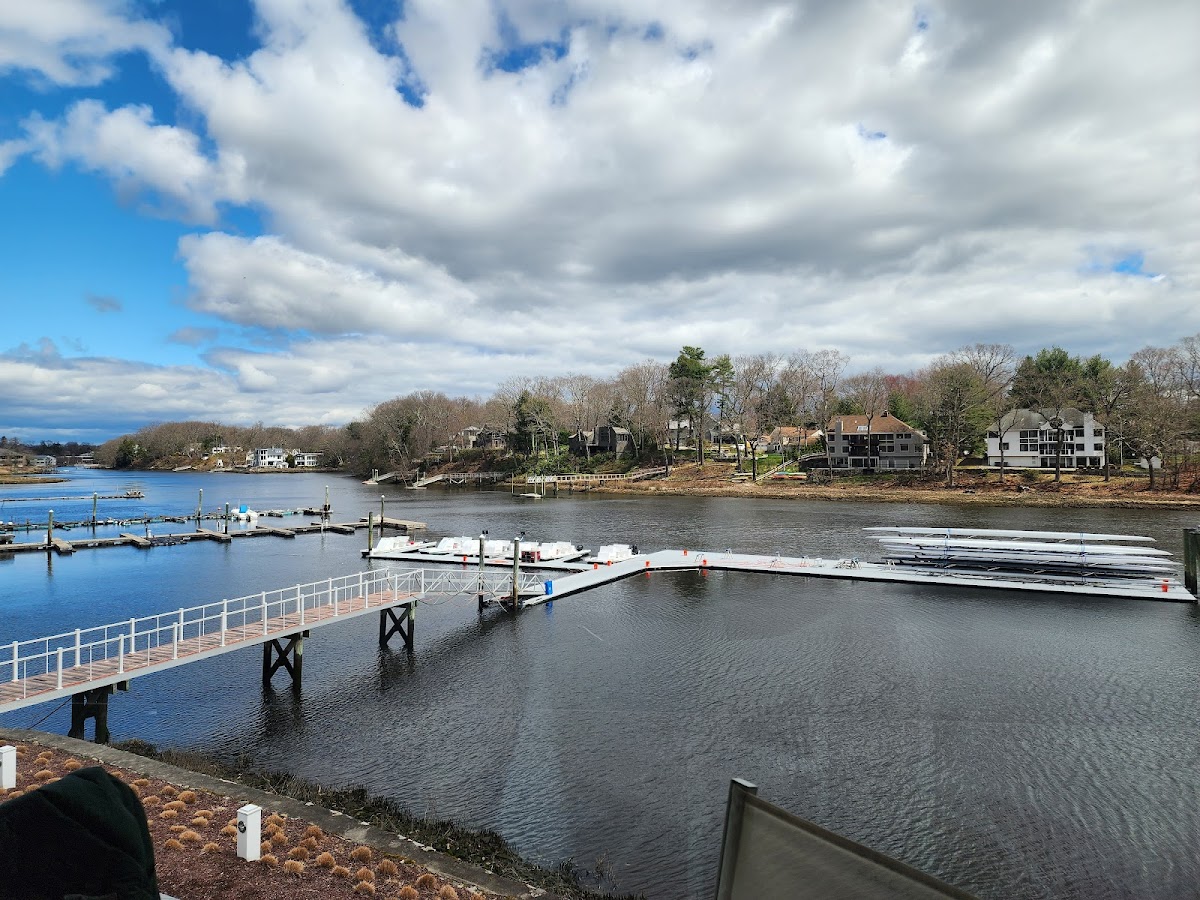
[
  {"x": 72, "y": 764},
  {"x": 340, "y": 872},
  {"x": 387, "y": 868},
  {"x": 268, "y": 859},
  {"x": 293, "y": 867},
  {"x": 210, "y": 847},
  {"x": 168, "y": 814},
  {"x": 314, "y": 831},
  {"x": 229, "y": 831},
  {"x": 190, "y": 837},
  {"x": 173, "y": 844},
  {"x": 169, "y": 790},
  {"x": 364, "y": 874},
  {"x": 361, "y": 854},
  {"x": 279, "y": 839},
  {"x": 364, "y": 887},
  {"x": 326, "y": 860},
  {"x": 188, "y": 796},
  {"x": 447, "y": 893},
  {"x": 310, "y": 844},
  {"x": 428, "y": 880},
  {"x": 408, "y": 892},
  {"x": 300, "y": 853},
  {"x": 44, "y": 775}
]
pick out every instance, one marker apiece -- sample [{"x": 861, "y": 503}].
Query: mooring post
[
  {"x": 325, "y": 508},
  {"x": 516, "y": 585},
  {"x": 199, "y": 507},
  {"x": 49, "y": 528},
  {"x": 95, "y": 497},
  {"x": 227, "y": 518},
  {"x": 370, "y": 528},
  {"x": 1191, "y": 558},
  {"x": 482, "y": 537},
  {"x": 381, "y": 516}
]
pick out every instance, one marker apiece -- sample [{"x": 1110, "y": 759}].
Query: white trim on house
[{"x": 1031, "y": 442}]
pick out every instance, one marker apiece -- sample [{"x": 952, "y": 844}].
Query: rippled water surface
[{"x": 1014, "y": 745}]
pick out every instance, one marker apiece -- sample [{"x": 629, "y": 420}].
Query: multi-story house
[
  {"x": 270, "y": 458},
  {"x": 1032, "y": 439},
  {"x": 884, "y": 442}
]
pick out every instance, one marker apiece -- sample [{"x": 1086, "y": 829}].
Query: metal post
[
  {"x": 95, "y": 497},
  {"x": 224, "y": 619},
  {"x": 121, "y": 653},
  {"x": 325, "y": 509},
  {"x": 381, "y": 517},
  {"x": 735, "y": 808},
  {"x": 60, "y": 651},
  {"x": 16, "y": 656},
  {"x": 1191, "y": 558},
  {"x": 199, "y": 507},
  {"x": 77, "y": 648},
  {"x": 332, "y": 595},
  {"x": 516, "y": 589},
  {"x": 481, "y": 542},
  {"x": 49, "y": 529},
  {"x": 132, "y": 632},
  {"x": 175, "y": 640},
  {"x": 264, "y": 606},
  {"x": 300, "y": 602},
  {"x": 227, "y": 518},
  {"x": 370, "y": 528}
]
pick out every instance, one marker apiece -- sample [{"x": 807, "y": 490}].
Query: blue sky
[{"x": 288, "y": 211}]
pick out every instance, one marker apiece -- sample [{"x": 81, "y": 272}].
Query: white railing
[{"x": 132, "y": 643}]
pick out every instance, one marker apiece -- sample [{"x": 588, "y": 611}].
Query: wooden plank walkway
[{"x": 157, "y": 657}]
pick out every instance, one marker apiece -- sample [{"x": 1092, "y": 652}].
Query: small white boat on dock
[
  {"x": 613, "y": 553},
  {"x": 396, "y": 547}
]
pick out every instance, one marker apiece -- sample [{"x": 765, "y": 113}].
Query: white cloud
[
  {"x": 752, "y": 176},
  {"x": 71, "y": 42},
  {"x": 139, "y": 156}
]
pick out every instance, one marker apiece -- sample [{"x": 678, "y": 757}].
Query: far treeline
[{"x": 1149, "y": 406}]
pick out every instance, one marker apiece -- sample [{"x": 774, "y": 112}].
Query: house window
[
  {"x": 1097, "y": 446},
  {"x": 1080, "y": 447},
  {"x": 904, "y": 448},
  {"x": 1078, "y": 432},
  {"x": 1099, "y": 432},
  {"x": 1030, "y": 438},
  {"x": 1004, "y": 445}
]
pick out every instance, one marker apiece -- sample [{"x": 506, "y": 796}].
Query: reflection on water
[{"x": 1015, "y": 745}]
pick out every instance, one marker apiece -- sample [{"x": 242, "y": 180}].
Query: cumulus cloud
[
  {"x": 575, "y": 186},
  {"x": 72, "y": 42},
  {"x": 162, "y": 162}
]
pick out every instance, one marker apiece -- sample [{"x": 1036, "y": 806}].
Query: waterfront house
[
  {"x": 605, "y": 439},
  {"x": 269, "y": 458},
  {"x": 1031, "y": 439},
  {"x": 883, "y": 442},
  {"x": 306, "y": 460},
  {"x": 44, "y": 462},
  {"x": 491, "y": 439}
]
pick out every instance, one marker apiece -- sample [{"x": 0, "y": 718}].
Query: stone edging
[{"x": 331, "y": 822}]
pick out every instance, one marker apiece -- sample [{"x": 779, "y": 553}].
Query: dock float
[{"x": 852, "y": 569}]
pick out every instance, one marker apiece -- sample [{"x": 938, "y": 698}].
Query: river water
[{"x": 1016, "y": 745}]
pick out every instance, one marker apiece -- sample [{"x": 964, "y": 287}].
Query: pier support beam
[
  {"x": 1191, "y": 559},
  {"x": 404, "y": 625},
  {"x": 290, "y": 656},
  {"x": 91, "y": 704}
]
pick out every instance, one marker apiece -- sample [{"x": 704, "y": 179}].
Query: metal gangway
[
  {"x": 87, "y": 659},
  {"x": 460, "y": 478}
]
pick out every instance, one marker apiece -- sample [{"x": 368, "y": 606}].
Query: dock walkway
[{"x": 852, "y": 569}]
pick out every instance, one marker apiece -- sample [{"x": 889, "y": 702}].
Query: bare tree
[{"x": 869, "y": 391}]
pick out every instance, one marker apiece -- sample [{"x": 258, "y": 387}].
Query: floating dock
[{"x": 1169, "y": 589}]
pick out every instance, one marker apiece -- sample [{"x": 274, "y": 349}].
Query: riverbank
[
  {"x": 7, "y": 478},
  {"x": 974, "y": 487},
  {"x": 341, "y": 838}
]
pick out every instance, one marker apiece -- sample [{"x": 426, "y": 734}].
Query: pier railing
[{"x": 135, "y": 643}]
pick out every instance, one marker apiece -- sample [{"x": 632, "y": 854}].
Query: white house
[
  {"x": 270, "y": 458},
  {"x": 306, "y": 460},
  {"x": 1030, "y": 439}
]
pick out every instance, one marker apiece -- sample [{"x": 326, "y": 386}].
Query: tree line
[{"x": 1149, "y": 406}]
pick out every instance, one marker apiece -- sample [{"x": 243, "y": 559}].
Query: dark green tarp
[{"x": 85, "y": 835}]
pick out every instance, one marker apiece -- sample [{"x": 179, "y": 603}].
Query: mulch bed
[{"x": 195, "y": 846}]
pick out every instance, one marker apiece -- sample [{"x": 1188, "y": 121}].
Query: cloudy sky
[{"x": 290, "y": 210}]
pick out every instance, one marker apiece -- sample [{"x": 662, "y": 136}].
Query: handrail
[{"x": 129, "y": 640}]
